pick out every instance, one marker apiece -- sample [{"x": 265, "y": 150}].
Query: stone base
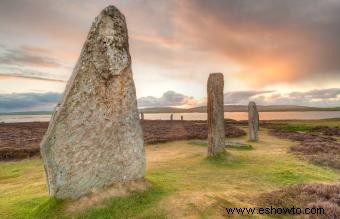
[{"x": 97, "y": 197}]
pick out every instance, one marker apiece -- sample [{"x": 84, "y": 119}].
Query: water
[
  {"x": 24, "y": 118},
  {"x": 198, "y": 116},
  {"x": 244, "y": 115}
]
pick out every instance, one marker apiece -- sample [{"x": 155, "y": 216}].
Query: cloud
[
  {"x": 168, "y": 99},
  {"x": 32, "y": 77},
  {"x": 271, "y": 41},
  {"x": 241, "y": 97},
  {"x": 257, "y": 44},
  {"x": 27, "y": 56},
  {"x": 317, "y": 94},
  {"x": 16, "y": 102},
  {"x": 318, "y": 98}
]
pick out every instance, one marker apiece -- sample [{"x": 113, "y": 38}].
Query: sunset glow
[{"x": 278, "y": 46}]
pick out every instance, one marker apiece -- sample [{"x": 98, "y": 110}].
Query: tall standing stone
[
  {"x": 216, "y": 134},
  {"x": 253, "y": 120},
  {"x": 94, "y": 138},
  {"x": 171, "y": 117},
  {"x": 142, "y": 116}
]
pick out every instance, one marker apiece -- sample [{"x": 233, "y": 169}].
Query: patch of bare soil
[
  {"x": 305, "y": 196},
  {"x": 314, "y": 146},
  {"x": 22, "y": 140},
  {"x": 97, "y": 197}
]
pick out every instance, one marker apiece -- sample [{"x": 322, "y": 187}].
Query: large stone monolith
[
  {"x": 253, "y": 120},
  {"x": 216, "y": 134},
  {"x": 94, "y": 138}
]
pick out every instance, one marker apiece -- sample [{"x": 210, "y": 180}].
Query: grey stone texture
[
  {"x": 253, "y": 120},
  {"x": 216, "y": 134},
  {"x": 94, "y": 138}
]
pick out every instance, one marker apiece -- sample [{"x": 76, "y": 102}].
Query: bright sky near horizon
[{"x": 273, "y": 52}]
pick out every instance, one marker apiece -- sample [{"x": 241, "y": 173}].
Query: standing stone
[
  {"x": 94, "y": 138},
  {"x": 142, "y": 116},
  {"x": 171, "y": 117},
  {"x": 216, "y": 134},
  {"x": 181, "y": 118},
  {"x": 253, "y": 120}
]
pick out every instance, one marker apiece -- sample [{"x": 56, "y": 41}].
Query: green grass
[
  {"x": 306, "y": 125},
  {"x": 185, "y": 182},
  {"x": 125, "y": 207},
  {"x": 22, "y": 187},
  {"x": 294, "y": 127}
]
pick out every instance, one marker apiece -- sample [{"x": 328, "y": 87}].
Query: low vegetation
[
  {"x": 306, "y": 196},
  {"x": 185, "y": 182},
  {"x": 22, "y": 140},
  {"x": 317, "y": 143}
]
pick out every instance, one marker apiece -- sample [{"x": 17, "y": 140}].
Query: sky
[{"x": 270, "y": 51}]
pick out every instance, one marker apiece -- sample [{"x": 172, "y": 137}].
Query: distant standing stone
[
  {"x": 142, "y": 116},
  {"x": 216, "y": 134},
  {"x": 94, "y": 138},
  {"x": 253, "y": 119},
  {"x": 171, "y": 117},
  {"x": 182, "y": 118}
]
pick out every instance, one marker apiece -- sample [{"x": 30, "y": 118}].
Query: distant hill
[
  {"x": 238, "y": 108},
  {"x": 163, "y": 110},
  {"x": 28, "y": 113},
  {"x": 203, "y": 109}
]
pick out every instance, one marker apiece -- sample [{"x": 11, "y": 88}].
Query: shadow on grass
[
  {"x": 223, "y": 159},
  {"x": 202, "y": 143},
  {"x": 240, "y": 147},
  {"x": 229, "y": 145}
]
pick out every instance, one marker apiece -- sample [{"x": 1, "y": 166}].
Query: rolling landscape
[
  {"x": 203, "y": 109},
  {"x": 240, "y": 108},
  {"x": 143, "y": 109}
]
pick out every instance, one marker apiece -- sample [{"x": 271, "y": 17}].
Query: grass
[
  {"x": 127, "y": 207},
  {"x": 306, "y": 125},
  {"x": 323, "y": 122},
  {"x": 294, "y": 127},
  {"x": 22, "y": 187},
  {"x": 185, "y": 182}
]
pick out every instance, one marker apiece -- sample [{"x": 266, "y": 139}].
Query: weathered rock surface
[
  {"x": 215, "y": 110},
  {"x": 94, "y": 138},
  {"x": 253, "y": 119}
]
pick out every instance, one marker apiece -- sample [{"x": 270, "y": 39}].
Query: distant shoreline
[{"x": 203, "y": 109}]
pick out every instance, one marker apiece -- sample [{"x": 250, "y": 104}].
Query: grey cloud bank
[{"x": 17, "y": 102}]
